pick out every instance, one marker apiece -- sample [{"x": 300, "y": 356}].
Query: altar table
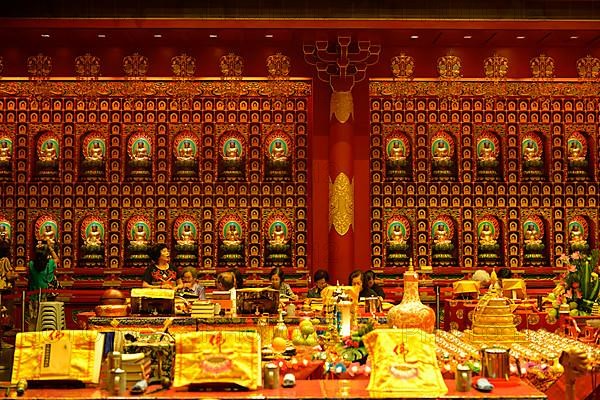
[
  {"x": 458, "y": 315},
  {"x": 320, "y": 389}
]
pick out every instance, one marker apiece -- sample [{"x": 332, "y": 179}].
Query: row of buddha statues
[
  {"x": 444, "y": 237},
  {"x": 277, "y": 152},
  {"x": 231, "y": 241},
  {"x": 444, "y": 156}
]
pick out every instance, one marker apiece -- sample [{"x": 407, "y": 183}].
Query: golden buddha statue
[
  {"x": 397, "y": 236},
  {"x": 186, "y": 152},
  {"x": 232, "y": 237},
  {"x": 48, "y": 153},
  {"x": 441, "y": 235},
  {"x": 576, "y": 235},
  {"x": 575, "y": 152},
  {"x": 3, "y": 233},
  {"x": 232, "y": 152},
  {"x": 139, "y": 236},
  {"x": 532, "y": 236},
  {"x": 5, "y": 154},
  {"x": 93, "y": 237},
  {"x": 531, "y": 151},
  {"x": 49, "y": 236},
  {"x": 486, "y": 152},
  {"x": 95, "y": 153},
  {"x": 141, "y": 152},
  {"x": 397, "y": 151},
  {"x": 278, "y": 152},
  {"x": 486, "y": 235},
  {"x": 278, "y": 235},
  {"x": 186, "y": 237},
  {"x": 441, "y": 152}
]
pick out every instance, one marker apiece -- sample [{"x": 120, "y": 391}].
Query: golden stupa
[{"x": 493, "y": 320}]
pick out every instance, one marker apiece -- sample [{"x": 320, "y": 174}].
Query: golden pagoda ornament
[
  {"x": 493, "y": 320},
  {"x": 411, "y": 313}
]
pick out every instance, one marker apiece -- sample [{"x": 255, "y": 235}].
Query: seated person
[
  {"x": 190, "y": 285},
  {"x": 225, "y": 281},
  {"x": 7, "y": 272},
  {"x": 321, "y": 280},
  {"x": 277, "y": 277},
  {"x": 482, "y": 277},
  {"x": 161, "y": 274},
  {"x": 239, "y": 278},
  {"x": 356, "y": 280},
  {"x": 369, "y": 286}
]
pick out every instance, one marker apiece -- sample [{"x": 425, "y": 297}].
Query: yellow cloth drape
[
  {"x": 226, "y": 357},
  {"x": 49, "y": 355},
  {"x": 404, "y": 362}
]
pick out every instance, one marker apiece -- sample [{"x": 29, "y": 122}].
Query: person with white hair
[{"x": 483, "y": 277}]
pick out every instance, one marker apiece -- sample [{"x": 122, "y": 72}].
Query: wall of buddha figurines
[
  {"x": 471, "y": 180},
  {"x": 221, "y": 179}
]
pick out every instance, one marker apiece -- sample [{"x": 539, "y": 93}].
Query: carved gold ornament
[
  {"x": 183, "y": 66},
  {"x": 588, "y": 67},
  {"x": 495, "y": 67},
  {"x": 542, "y": 66},
  {"x": 40, "y": 66},
  {"x": 278, "y": 66},
  {"x": 232, "y": 66},
  {"x": 135, "y": 66},
  {"x": 87, "y": 66},
  {"x": 403, "y": 66},
  {"x": 449, "y": 67},
  {"x": 341, "y": 204},
  {"x": 341, "y": 106}
]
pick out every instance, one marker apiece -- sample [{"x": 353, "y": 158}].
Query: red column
[{"x": 341, "y": 193}]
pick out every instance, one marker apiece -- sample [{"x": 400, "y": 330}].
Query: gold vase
[{"x": 411, "y": 313}]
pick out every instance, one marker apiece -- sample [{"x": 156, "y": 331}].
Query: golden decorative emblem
[
  {"x": 495, "y": 67},
  {"x": 542, "y": 66},
  {"x": 87, "y": 66},
  {"x": 449, "y": 67},
  {"x": 341, "y": 106},
  {"x": 403, "y": 66},
  {"x": 232, "y": 66},
  {"x": 533, "y": 319},
  {"x": 114, "y": 322},
  {"x": 460, "y": 314},
  {"x": 470, "y": 315},
  {"x": 278, "y": 66},
  {"x": 183, "y": 66},
  {"x": 40, "y": 66},
  {"x": 341, "y": 204},
  {"x": 588, "y": 67},
  {"x": 135, "y": 66},
  {"x": 453, "y": 326}
]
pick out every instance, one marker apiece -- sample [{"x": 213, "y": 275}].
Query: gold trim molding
[{"x": 341, "y": 204}]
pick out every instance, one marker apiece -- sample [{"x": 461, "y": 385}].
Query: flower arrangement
[{"x": 579, "y": 286}]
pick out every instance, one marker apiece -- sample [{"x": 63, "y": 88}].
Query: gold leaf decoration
[
  {"x": 278, "y": 66},
  {"x": 135, "y": 66},
  {"x": 341, "y": 204},
  {"x": 183, "y": 66},
  {"x": 495, "y": 67},
  {"x": 39, "y": 66},
  {"x": 449, "y": 67},
  {"x": 403, "y": 66},
  {"x": 341, "y": 106},
  {"x": 87, "y": 66},
  {"x": 588, "y": 67},
  {"x": 232, "y": 66},
  {"x": 542, "y": 66}
]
